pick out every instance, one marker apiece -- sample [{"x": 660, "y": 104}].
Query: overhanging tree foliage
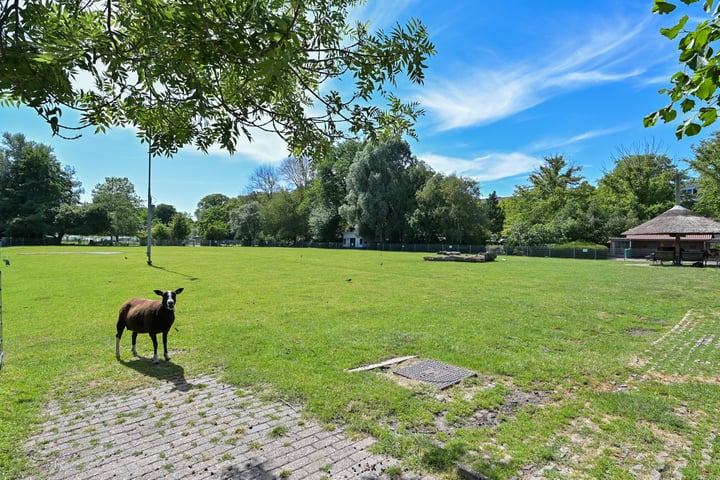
[
  {"x": 203, "y": 73},
  {"x": 694, "y": 90}
]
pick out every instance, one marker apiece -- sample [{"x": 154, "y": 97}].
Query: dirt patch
[
  {"x": 466, "y": 390},
  {"x": 514, "y": 401}
]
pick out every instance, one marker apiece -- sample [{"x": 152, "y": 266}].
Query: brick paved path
[{"x": 197, "y": 430}]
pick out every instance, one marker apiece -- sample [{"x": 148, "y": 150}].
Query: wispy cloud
[
  {"x": 475, "y": 96},
  {"x": 486, "y": 168},
  {"x": 556, "y": 143}
]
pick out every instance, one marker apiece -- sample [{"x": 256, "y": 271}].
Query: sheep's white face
[
  {"x": 169, "y": 300},
  {"x": 169, "y": 297}
]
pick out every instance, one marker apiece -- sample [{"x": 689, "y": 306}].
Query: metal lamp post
[{"x": 150, "y": 214}]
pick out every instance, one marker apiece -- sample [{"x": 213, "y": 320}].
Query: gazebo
[{"x": 677, "y": 222}]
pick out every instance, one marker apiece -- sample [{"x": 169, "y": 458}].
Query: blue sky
[{"x": 512, "y": 83}]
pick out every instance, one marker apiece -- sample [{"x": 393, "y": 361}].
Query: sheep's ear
[
  {"x": 159, "y": 292},
  {"x": 179, "y": 291}
]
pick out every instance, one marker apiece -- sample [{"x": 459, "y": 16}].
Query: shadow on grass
[
  {"x": 189, "y": 277},
  {"x": 167, "y": 371}
]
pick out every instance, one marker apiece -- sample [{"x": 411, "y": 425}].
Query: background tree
[
  {"x": 284, "y": 217},
  {"x": 193, "y": 73},
  {"x": 380, "y": 192},
  {"x": 68, "y": 219},
  {"x": 246, "y": 222},
  {"x": 448, "y": 210},
  {"x": 95, "y": 220},
  {"x": 34, "y": 187},
  {"x": 544, "y": 211},
  {"x": 494, "y": 214},
  {"x": 209, "y": 201},
  {"x": 180, "y": 227},
  {"x": 124, "y": 207},
  {"x": 707, "y": 166},
  {"x": 213, "y": 216},
  {"x": 640, "y": 187},
  {"x": 694, "y": 89},
  {"x": 329, "y": 190},
  {"x": 161, "y": 233},
  {"x": 164, "y": 213},
  {"x": 214, "y": 231},
  {"x": 213, "y": 222},
  {"x": 297, "y": 172},
  {"x": 265, "y": 180}
]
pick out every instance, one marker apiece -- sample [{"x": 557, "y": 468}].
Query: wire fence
[{"x": 587, "y": 253}]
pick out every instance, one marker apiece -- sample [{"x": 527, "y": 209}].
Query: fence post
[{"x": 1, "y": 332}]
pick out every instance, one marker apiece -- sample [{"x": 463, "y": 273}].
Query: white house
[{"x": 352, "y": 240}]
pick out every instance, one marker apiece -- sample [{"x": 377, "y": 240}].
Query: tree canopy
[
  {"x": 707, "y": 166},
  {"x": 694, "y": 90},
  {"x": 380, "y": 195},
  {"x": 34, "y": 188},
  {"x": 118, "y": 197},
  {"x": 205, "y": 73}
]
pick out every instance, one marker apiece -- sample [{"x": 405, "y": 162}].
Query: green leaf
[
  {"x": 708, "y": 115},
  {"x": 706, "y": 89},
  {"x": 662, "y": 7},
  {"x": 691, "y": 128},
  {"x": 687, "y": 105},
  {"x": 651, "y": 120},
  {"x": 671, "y": 33},
  {"x": 708, "y": 6},
  {"x": 668, "y": 114}
]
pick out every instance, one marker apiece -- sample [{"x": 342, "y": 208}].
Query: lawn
[{"x": 586, "y": 369}]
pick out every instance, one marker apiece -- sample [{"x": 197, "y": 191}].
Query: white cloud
[
  {"x": 475, "y": 96},
  {"x": 493, "y": 166},
  {"x": 265, "y": 148}
]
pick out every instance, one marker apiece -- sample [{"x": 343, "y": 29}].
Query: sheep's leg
[
  {"x": 153, "y": 335},
  {"x": 167, "y": 357},
  {"x": 120, "y": 328},
  {"x": 134, "y": 343}
]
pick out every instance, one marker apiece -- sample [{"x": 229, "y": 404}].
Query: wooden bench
[
  {"x": 663, "y": 256},
  {"x": 693, "y": 257}
]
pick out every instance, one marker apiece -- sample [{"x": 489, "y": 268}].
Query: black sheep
[{"x": 140, "y": 315}]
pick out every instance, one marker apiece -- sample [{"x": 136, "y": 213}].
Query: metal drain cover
[{"x": 437, "y": 373}]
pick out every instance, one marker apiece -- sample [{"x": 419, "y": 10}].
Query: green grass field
[{"x": 623, "y": 356}]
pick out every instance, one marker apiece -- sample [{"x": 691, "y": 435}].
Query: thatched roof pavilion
[{"x": 677, "y": 222}]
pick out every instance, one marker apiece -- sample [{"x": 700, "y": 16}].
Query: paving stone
[{"x": 203, "y": 430}]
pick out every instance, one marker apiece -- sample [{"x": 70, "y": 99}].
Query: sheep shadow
[{"x": 166, "y": 371}]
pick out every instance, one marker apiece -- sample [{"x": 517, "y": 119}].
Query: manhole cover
[{"x": 437, "y": 373}]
